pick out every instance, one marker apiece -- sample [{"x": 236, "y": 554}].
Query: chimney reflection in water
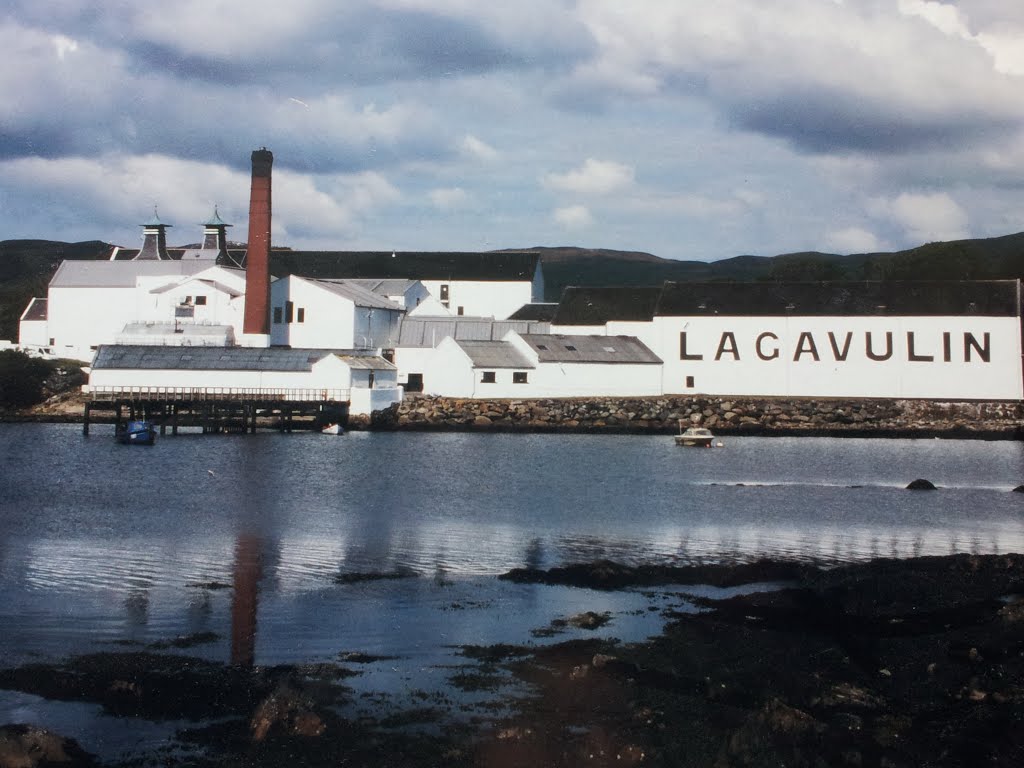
[{"x": 247, "y": 573}]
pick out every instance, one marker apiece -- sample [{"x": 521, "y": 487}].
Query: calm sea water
[{"x": 103, "y": 544}]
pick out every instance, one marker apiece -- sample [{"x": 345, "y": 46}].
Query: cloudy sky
[{"x": 692, "y": 130}]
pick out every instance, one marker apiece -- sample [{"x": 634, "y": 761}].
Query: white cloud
[
  {"x": 924, "y": 217},
  {"x": 594, "y": 177},
  {"x": 447, "y": 199},
  {"x": 573, "y": 217},
  {"x": 853, "y": 240},
  {"x": 476, "y": 149}
]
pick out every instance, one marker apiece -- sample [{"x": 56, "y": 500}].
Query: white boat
[
  {"x": 695, "y": 436},
  {"x": 333, "y": 429}
]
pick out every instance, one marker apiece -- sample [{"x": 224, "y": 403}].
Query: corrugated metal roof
[
  {"x": 412, "y": 265},
  {"x": 430, "y": 331},
  {"x": 36, "y": 310},
  {"x": 359, "y": 295},
  {"x": 136, "y": 357},
  {"x": 494, "y": 354},
  {"x": 562, "y": 348},
  {"x": 584, "y": 305},
  {"x": 120, "y": 274},
  {"x": 1000, "y": 298}
]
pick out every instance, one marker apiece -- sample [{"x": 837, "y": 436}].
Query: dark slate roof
[
  {"x": 430, "y": 331},
  {"x": 596, "y": 306},
  {"x": 538, "y": 312},
  {"x": 1000, "y": 298},
  {"x": 142, "y": 357},
  {"x": 486, "y": 266},
  {"x": 561, "y": 348},
  {"x": 494, "y": 354},
  {"x": 36, "y": 310}
]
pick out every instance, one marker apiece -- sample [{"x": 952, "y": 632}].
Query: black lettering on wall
[
  {"x": 727, "y": 345},
  {"x": 840, "y": 355},
  {"x": 912, "y": 355},
  {"x": 683, "y": 355},
  {"x": 947, "y": 347},
  {"x": 983, "y": 350},
  {"x": 760, "y": 350},
  {"x": 870, "y": 350},
  {"x": 805, "y": 346}
]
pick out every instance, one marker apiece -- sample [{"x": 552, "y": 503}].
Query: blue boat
[{"x": 136, "y": 433}]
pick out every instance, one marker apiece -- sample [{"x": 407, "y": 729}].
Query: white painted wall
[
  {"x": 483, "y": 298},
  {"x": 79, "y": 318},
  {"x": 793, "y": 371},
  {"x": 450, "y": 372},
  {"x": 329, "y": 321},
  {"x": 33, "y": 334}
]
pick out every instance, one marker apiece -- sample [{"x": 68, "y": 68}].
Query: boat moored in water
[
  {"x": 698, "y": 437},
  {"x": 333, "y": 429},
  {"x": 136, "y": 433}
]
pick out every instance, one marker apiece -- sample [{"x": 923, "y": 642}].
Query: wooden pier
[{"x": 217, "y": 410}]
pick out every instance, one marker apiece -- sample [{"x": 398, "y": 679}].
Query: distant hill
[
  {"x": 984, "y": 259},
  {"x": 26, "y": 267}
]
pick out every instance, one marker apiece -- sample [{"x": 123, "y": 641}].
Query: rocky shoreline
[
  {"x": 723, "y": 415},
  {"x": 997, "y": 420},
  {"x": 893, "y": 663}
]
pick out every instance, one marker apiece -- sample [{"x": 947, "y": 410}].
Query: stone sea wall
[{"x": 724, "y": 415}]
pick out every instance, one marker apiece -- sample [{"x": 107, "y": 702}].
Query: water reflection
[{"x": 247, "y": 572}]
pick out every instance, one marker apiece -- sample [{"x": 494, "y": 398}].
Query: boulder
[
  {"x": 27, "y": 746},
  {"x": 1019, "y": 489},
  {"x": 921, "y": 485}
]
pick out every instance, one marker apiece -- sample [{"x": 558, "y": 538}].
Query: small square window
[
  {"x": 462, "y": 311},
  {"x": 689, "y": 382},
  {"x": 570, "y": 347},
  {"x": 300, "y": 315},
  {"x": 487, "y": 377},
  {"x": 289, "y": 311},
  {"x": 200, "y": 301},
  {"x": 542, "y": 346},
  {"x": 519, "y": 377},
  {"x": 277, "y": 315}
]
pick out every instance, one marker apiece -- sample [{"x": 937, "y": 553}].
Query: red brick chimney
[{"x": 257, "y": 258}]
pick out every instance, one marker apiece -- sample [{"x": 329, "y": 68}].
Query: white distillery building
[
  {"x": 537, "y": 365},
  {"x": 419, "y": 336},
  {"x": 927, "y": 339},
  {"x": 367, "y": 382},
  {"x": 333, "y": 314},
  {"x": 154, "y": 293},
  {"x": 481, "y": 284}
]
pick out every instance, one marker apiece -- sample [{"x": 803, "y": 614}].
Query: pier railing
[{"x": 216, "y": 394}]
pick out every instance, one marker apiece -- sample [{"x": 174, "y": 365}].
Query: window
[
  {"x": 200, "y": 301},
  {"x": 289, "y": 311},
  {"x": 461, "y": 311},
  {"x": 277, "y": 315},
  {"x": 570, "y": 347},
  {"x": 52, "y": 342},
  {"x": 415, "y": 383},
  {"x": 444, "y": 293},
  {"x": 300, "y": 315},
  {"x": 487, "y": 377},
  {"x": 689, "y": 382},
  {"x": 370, "y": 380},
  {"x": 543, "y": 346},
  {"x": 519, "y": 377}
]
